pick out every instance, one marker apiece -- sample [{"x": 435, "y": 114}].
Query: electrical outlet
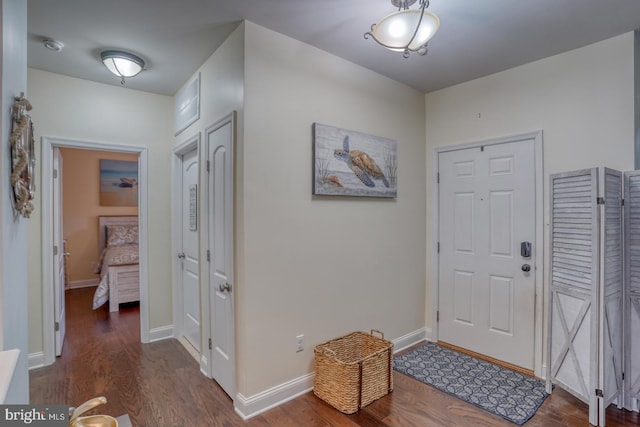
[{"x": 299, "y": 343}]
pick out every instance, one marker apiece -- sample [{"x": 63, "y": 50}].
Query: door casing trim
[
  {"x": 536, "y": 136},
  {"x": 48, "y": 323}
]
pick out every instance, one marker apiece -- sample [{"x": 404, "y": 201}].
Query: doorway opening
[{"x": 53, "y": 296}]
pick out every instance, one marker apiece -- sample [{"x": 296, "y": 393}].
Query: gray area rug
[{"x": 509, "y": 394}]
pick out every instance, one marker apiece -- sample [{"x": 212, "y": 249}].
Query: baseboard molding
[
  {"x": 161, "y": 333},
  {"x": 248, "y": 407},
  {"x": 412, "y": 338},
  {"x": 77, "y": 284},
  {"x": 36, "y": 360}
]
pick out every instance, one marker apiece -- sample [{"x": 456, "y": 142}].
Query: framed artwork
[
  {"x": 187, "y": 105},
  {"x": 349, "y": 163},
  {"x": 118, "y": 183}
]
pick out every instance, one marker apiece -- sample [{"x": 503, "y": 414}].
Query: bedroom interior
[{"x": 379, "y": 256}]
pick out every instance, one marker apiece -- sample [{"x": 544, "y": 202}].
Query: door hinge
[
  {"x": 57, "y": 326},
  {"x": 622, "y": 202},
  {"x": 438, "y": 249},
  {"x": 600, "y": 200},
  {"x": 208, "y": 255},
  {"x": 438, "y": 316},
  {"x": 208, "y": 165},
  {"x": 623, "y": 376},
  {"x": 55, "y": 173},
  {"x": 438, "y": 178},
  {"x": 210, "y": 344},
  {"x": 482, "y": 148},
  {"x": 55, "y": 250},
  {"x": 599, "y": 393}
]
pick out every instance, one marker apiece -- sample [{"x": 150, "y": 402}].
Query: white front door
[
  {"x": 220, "y": 139},
  {"x": 58, "y": 254},
  {"x": 189, "y": 255},
  {"x": 486, "y": 213}
]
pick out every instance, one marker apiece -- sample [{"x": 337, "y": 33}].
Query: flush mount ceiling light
[
  {"x": 122, "y": 64},
  {"x": 407, "y": 30}
]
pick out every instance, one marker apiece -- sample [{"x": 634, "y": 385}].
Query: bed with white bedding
[{"x": 118, "y": 265}]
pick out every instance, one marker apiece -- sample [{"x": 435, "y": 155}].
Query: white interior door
[
  {"x": 486, "y": 299},
  {"x": 189, "y": 254},
  {"x": 58, "y": 254},
  {"x": 220, "y": 139}
]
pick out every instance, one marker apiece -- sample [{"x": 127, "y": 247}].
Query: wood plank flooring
[{"x": 159, "y": 385}]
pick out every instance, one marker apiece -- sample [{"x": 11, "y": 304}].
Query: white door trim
[
  {"x": 48, "y": 143},
  {"x": 189, "y": 144},
  {"x": 539, "y": 233}
]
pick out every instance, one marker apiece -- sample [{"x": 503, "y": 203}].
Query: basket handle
[{"x": 379, "y": 332}]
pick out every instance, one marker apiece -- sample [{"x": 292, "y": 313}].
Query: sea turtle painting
[{"x": 361, "y": 164}]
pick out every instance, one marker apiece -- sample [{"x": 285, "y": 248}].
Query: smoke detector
[{"x": 53, "y": 45}]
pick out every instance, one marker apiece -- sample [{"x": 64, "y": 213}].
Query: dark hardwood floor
[{"x": 159, "y": 385}]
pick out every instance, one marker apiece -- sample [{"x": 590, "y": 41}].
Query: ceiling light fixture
[
  {"x": 407, "y": 30},
  {"x": 122, "y": 64}
]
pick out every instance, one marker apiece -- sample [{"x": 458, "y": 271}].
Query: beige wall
[
  {"x": 582, "y": 101},
  {"x": 66, "y": 107},
  {"x": 13, "y": 228},
  {"x": 321, "y": 266},
  {"x": 81, "y": 208}
]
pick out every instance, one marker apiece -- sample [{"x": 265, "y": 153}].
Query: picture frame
[
  {"x": 350, "y": 163},
  {"x": 118, "y": 183},
  {"x": 187, "y": 105}
]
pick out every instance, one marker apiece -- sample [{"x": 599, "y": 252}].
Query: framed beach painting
[
  {"x": 118, "y": 183},
  {"x": 350, "y": 163}
]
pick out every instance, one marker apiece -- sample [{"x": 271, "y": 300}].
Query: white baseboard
[
  {"x": 161, "y": 333},
  {"x": 36, "y": 360},
  {"x": 248, "y": 407},
  {"x": 77, "y": 284},
  {"x": 411, "y": 338}
]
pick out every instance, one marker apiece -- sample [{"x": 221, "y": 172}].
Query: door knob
[
  {"x": 526, "y": 268},
  {"x": 224, "y": 287},
  {"x": 181, "y": 255}
]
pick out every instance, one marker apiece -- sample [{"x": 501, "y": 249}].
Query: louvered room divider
[
  {"x": 632, "y": 287},
  {"x": 592, "y": 290}
]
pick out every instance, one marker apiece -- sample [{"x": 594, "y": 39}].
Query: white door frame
[
  {"x": 191, "y": 143},
  {"x": 538, "y": 361},
  {"x": 48, "y": 326}
]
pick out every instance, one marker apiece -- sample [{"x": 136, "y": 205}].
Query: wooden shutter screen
[
  {"x": 574, "y": 272},
  {"x": 632, "y": 281},
  {"x": 610, "y": 314}
]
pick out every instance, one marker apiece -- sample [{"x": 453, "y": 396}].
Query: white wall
[
  {"x": 13, "y": 229},
  {"x": 321, "y": 266},
  {"x": 76, "y": 109},
  {"x": 221, "y": 92},
  {"x": 583, "y": 100}
]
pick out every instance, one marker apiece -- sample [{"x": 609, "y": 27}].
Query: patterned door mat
[{"x": 509, "y": 394}]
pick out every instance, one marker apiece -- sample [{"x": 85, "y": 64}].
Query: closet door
[
  {"x": 574, "y": 273},
  {"x": 632, "y": 291},
  {"x": 610, "y": 308}
]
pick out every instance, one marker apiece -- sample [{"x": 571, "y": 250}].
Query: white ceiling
[{"x": 174, "y": 37}]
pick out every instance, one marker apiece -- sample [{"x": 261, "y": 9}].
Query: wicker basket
[{"x": 353, "y": 371}]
